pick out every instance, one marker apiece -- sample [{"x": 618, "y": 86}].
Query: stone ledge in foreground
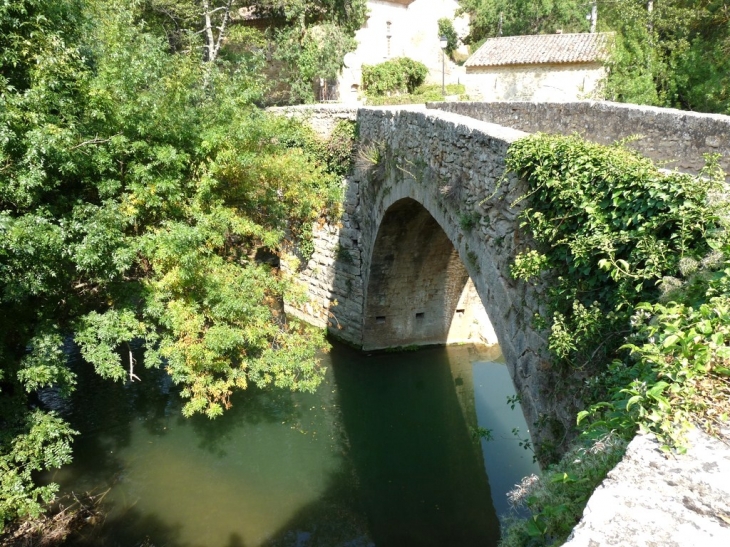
[{"x": 649, "y": 499}]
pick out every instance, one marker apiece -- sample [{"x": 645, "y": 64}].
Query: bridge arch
[
  {"x": 435, "y": 206},
  {"x": 427, "y": 209},
  {"x": 418, "y": 291}
]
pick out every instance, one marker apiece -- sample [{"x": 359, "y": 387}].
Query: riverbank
[{"x": 66, "y": 515}]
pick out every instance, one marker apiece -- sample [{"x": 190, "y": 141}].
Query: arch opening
[{"x": 418, "y": 289}]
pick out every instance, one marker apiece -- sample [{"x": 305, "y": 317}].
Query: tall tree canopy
[
  {"x": 490, "y": 18},
  {"x": 671, "y": 53},
  {"x": 304, "y": 40},
  {"x": 667, "y": 52},
  {"x": 137, "y": 182}
]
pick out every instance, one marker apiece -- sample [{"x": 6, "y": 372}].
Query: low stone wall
[{"x": 676, "y": 138}]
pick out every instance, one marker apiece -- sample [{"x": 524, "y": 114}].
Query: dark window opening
[
  {"x": 380, "y": 319},
  {"x": 420, "y": 315},
  {"x": 460, "y": 312}
]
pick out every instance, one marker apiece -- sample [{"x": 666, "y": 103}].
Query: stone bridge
[{"x": 423, "y": 251}]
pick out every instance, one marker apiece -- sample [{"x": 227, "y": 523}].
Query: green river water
[{"x": 385, "y": 453}]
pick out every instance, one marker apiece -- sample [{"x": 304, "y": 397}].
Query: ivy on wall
[{"x": 637, "y": 265}]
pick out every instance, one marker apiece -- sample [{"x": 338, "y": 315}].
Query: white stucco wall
[
  {"x": 413, "y": 33},
  {"x": 535, "y": 82}
]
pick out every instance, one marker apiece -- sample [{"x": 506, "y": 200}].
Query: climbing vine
[
  {"x": 637, "y": 263},
  {"x": 609, "y": 226}
]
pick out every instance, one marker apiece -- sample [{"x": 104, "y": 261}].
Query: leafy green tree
[
  {"x": 447, "y": 30},
  {"x": 137, "y": 183},
  {"x": 489, "y": 18},
  {"x": 307, "y": 40},
  {"x": 674, "y": 55},
  {"x": 634, "y": 59}
]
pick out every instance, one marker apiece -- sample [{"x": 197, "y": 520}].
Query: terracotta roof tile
[{"x": 542, "y": 48}]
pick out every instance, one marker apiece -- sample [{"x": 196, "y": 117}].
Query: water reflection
[
  {"x": 383, "y": 454},
  {"x": 505, "y": 460}
]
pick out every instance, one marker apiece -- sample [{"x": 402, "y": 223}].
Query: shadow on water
[
  {"x": 422, "y": 479},
  {"x": 383, "y": 454}
]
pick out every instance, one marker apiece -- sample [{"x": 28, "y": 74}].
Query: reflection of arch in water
[{"x": 418, "y": 290}]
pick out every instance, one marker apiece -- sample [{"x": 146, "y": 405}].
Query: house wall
[
  {"x": 413, "y": 32},
  {"x": 549, "y": 82}
]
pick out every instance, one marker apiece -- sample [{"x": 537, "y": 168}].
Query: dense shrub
[{"x": 400, "y": 75}]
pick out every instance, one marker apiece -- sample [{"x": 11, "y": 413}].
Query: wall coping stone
[{"x": 667, "y": 135}]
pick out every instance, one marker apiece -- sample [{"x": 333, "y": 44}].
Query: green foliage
[
  {"x": 39, "y": 441},
  {"x": 400, "y": 75},
  {"x": 310, "y": 40},
  {"x": 633, "y": 60},
  {"x": 311, "y": 53},
  {"x": 556, "y": 500},
  {"x": 609, "y": 226},
  {"x": 676, "y": 370},
  {"x": 447, "y": 30},
  {"x": 298, "y": 42},
  {"x": 675, "y": 55},
  {"x": 340, "y": 147},
  {"x": 422, "y": 94},
  {"x": 468, "y": 221},
  {"x": 637, "y": 264},
  {"x": 522, "y": 17},
  {"x": 137, "y": 184}
]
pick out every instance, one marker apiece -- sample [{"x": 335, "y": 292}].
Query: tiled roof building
[
  {"x": 545, "y": 67},
  {"x": 542, "y": 48}
]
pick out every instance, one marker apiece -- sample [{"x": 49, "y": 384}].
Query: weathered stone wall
[{"x": 676, "y": 137}]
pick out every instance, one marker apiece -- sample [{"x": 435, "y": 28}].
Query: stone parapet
[
  {"x": 675, "y": 138},
  {"x": 320, "y": 117}
]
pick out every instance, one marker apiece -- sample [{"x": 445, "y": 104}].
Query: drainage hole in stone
[
  {"x": 419, "y": 315},
  {"x": 460, "y": 312},
  {"x": 380, "y": 319}
]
